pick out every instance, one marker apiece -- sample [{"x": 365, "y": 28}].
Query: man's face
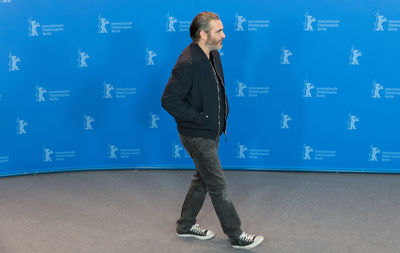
[{"x": 216, "y": 35}]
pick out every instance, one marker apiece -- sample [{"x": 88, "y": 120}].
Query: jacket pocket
[{"x": 205, "y": 123}]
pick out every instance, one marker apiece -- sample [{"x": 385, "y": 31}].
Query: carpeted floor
[{"x": 135, "y": 211}]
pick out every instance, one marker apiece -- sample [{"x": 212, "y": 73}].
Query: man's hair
[{"x": 201, "y": 23}]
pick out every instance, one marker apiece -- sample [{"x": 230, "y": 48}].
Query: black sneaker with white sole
[
  {"x": 247, "y": 241},
  {"x": 197, "y": 232}
]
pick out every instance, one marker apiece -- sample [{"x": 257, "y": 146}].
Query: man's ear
[{"x": 203, "y": 35}]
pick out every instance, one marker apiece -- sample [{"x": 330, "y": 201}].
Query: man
[{"x": 195, "y": 96}]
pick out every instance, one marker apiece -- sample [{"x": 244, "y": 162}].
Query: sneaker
[
  {"x": 197, "y": 232},
  {"x": 247, "y": 241}
]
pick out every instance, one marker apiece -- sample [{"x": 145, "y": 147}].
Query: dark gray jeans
[{"x": 208, "y": 177}]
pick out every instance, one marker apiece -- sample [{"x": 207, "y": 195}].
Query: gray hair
[{"x": 201, "y": 23}]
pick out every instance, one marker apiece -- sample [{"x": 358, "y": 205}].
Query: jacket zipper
[{"x": 219, "y": 103}]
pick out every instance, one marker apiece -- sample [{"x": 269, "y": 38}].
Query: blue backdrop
[{"x": 312, "y": 85}]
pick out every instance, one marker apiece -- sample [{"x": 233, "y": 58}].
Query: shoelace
[
  {"x": 246, "y": 237},
  {"x": 196, "y": 229}
]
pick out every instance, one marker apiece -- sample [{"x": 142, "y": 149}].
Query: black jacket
[{"x": 191, "y": 95}]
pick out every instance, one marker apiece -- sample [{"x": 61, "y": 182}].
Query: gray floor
[{"x": 135, "y": 211}]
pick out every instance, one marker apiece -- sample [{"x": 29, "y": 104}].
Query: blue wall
[{"x": 312, "y": 85}]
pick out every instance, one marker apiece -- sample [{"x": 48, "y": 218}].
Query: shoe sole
[
  {"x": 250, "y": 246},
  {"x": 206, "y": 237}
]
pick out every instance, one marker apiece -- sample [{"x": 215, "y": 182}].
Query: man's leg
[
  {"x": 193, "y": 203},
  {"x": 210, "y": 177},
  {"x": 205, "y": 156},
  {"x": 195, "y": 196}
]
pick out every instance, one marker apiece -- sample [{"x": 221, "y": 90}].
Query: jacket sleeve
[{"x": 174, "y": 97}]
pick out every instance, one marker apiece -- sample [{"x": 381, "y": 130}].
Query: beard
[{"x": 213, "y": 44}]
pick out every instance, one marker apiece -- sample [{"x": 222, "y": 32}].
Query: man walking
[{"x": 195, "y": 96}]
